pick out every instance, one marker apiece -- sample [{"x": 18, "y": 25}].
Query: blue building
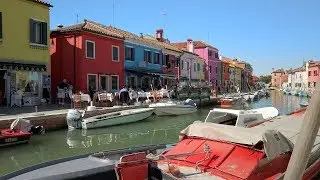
[{"x": 143, "y": 61}]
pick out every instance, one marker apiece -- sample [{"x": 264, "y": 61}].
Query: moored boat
[
  {"x": 174, "y": 108},
  {"x": 242, "y": 118},
  {"x": 226, "y": 102},
  {"x": 304, "y": 104},
  {"x": 19, "y": 132},
  {"x": 116, "y": 118}
]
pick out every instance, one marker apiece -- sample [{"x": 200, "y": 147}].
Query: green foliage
[{"x": 266, "y": 79}]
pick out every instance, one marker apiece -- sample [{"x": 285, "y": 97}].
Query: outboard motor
[
  {"x": 39, "y": 130},
  {"x": 190, "y": 102},
  {"x": 74, "y": 118}
]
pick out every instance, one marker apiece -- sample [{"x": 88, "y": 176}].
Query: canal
[{"x": 154, "y": 130}]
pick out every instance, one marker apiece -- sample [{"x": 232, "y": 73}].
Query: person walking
[{"x": 62, "y": 89}]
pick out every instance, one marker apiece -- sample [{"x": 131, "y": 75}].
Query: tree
[{"x": 266, "y": 79}]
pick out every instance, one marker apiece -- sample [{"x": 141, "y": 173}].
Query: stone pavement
[{"x": 7, "y": 111}]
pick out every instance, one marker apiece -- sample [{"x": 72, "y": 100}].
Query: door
[{"x": 2, "y": 87}]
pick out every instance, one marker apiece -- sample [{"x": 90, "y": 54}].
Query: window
[
  {"x": 182, "y": 64},
  {"x": 92, "y": 82},
  {"x": 0, "y": 25},
  {"x": 177, "y": 62},
  {"x": 147, "y": 56},
  {"x": 38, "y": 32},
  {"x": 314, "y": 84},
  {"x": 167, "y": 61},
  {"x": 90, "y": 49},
  {"x": 216, "y": 55},
  {"x": 315, "y": 73},
  {"x": 210, "y": 53},
  {"x": 216, "y": 70},
  {"x": 309, "y": 73},
  {"x": 103, "y": 83},
  {"x": 188, "y": 67},
  {"x": 156, "y": 58},
  {"x": 115, "y": 82},
  {"x": 129, "y": 53},
  {"x": 210, "y": 69},
  {"x": 194, "y": 67},
  {"x": 198, "y": 67},
  {"x": 115, "y": 53}
]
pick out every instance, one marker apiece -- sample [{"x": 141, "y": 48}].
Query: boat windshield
[{"x": 221, "y": 118}]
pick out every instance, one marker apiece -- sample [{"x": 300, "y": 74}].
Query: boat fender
[
  {"x": 74, "y": 118},
  {"x": 39, "y": 130}
]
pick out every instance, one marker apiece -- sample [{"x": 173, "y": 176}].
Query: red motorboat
[
  {"x": 226, "y": 102},
  {"x": 10, "y": 137},
  {"x": 19, "y": 132}
]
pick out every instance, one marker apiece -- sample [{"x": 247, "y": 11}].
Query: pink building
[
  {"x": 212, "y": 62},
  {"x": 278, "y": 77},
  {"x": 313, "y": 73}
]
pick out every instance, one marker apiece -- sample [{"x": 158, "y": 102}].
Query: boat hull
[
  {"x": 9, "y": 138},
  {"x": 174, "y": 110},
  {"x": 118, "y": 119}
]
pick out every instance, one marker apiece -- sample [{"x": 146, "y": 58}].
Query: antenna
[
  {"x": 77, "y": 18},
  {"x": 164, "y": 14},
  {"x": 113, "y": 13}
]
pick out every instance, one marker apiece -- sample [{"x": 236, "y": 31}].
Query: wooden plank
[{"x": 306, "y": 139}]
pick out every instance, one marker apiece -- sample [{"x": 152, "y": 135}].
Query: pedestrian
[{"x": 62, "y": 89}]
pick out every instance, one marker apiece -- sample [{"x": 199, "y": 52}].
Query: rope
[{"x": 207, "y": 150}]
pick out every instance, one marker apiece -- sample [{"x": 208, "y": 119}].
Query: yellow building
[
  {"x": 238, "y": 72},
  {"x": 24, "y": 51}
]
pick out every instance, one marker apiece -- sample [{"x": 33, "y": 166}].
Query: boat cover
[
  {"x": 21, "y": 125},
  {"x": 274, "y": 142}
]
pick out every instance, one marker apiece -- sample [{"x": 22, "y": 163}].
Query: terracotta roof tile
[
  {"x": 279, "y": 71},
  {"x": 196, "y": 44},
  {"x": 314, "y": 63},
  {"x": 91, "y": 27},
  {"x": 42, "y": 2},
  {"x": 163, "y": 44}
]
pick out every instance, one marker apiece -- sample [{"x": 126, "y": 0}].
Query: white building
[{"x": 299, "y": 79}]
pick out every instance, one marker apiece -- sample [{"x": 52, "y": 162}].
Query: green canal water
[{"x": 154, "y": 130}]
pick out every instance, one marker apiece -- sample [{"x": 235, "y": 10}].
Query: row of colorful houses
[
  {"x": 301, "y": 78},
  {"x": 93, "y": 56}
]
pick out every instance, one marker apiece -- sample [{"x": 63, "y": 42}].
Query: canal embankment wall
[{"x": 53, "y": 120}]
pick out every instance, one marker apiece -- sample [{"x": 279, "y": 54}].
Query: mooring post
[{"x": 306, "y": 138}]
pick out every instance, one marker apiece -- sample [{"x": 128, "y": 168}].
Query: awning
[{"x": 22, "y": 67}]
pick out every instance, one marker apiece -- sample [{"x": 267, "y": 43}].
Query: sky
[{"x": 265, "y": 33}]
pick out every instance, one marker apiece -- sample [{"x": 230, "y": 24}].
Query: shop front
[{"x": 23, "y": 84}]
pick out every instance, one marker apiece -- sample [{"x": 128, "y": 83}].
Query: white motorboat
[
  {"x": 242, "y": 118},
  {"x": 174, "y": 108},
  {"x": 109, "y": 119},
  {"x": 304, "y": 104}
]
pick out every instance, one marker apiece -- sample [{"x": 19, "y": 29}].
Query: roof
[
  {"x": 91, "y": 27},
  {"x": 231, "y": 62},
  {"x": 314, "y": 63},
  {"x": 300, "y": 69},
  {"x": 163, "y": 44},
  {"x": 41, "y": 2},
  {"x": 196, "y": 44},
  {"x": 279, "y": 71}
]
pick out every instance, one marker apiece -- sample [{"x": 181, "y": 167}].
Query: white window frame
[
  {"x": 94, "y": 49},
  {"x": 96, "y": 81},
  {"x": 117, "y": 80},
  {"x": 118, "y": 53},
  {"x": 106, "y": 76}
]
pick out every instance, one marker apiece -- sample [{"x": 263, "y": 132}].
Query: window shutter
[
  {"x": 0, "y": 25},
  {"x": 44, "y": 33},
  {"x": 32, "y": 34}
]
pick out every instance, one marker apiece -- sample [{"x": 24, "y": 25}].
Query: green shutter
[
  {"x": 32, "y": 34},
  {"x": 0, "y": 25},
  {"x": 44, "y": 33}
]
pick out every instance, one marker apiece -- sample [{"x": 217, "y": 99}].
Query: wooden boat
[
  {"x": 242, "y": 118},
  {"x": 226, "y": 102},
  {"x": 20, "y": 132},
  {"x": 204, "y": 151},
  {"x": 174, "y": 108},
  {"x": 116, "y": 118}
]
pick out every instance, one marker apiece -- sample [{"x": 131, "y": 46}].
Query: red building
[{"x": 87, "y": 55}]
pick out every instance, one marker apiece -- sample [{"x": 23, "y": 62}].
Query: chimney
[
  {"x": 159, "y": 34},
  {"x": 60, "y": 26},
  {"x": 190, "y": 46},
  {"x": 141, "y": 35}
]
